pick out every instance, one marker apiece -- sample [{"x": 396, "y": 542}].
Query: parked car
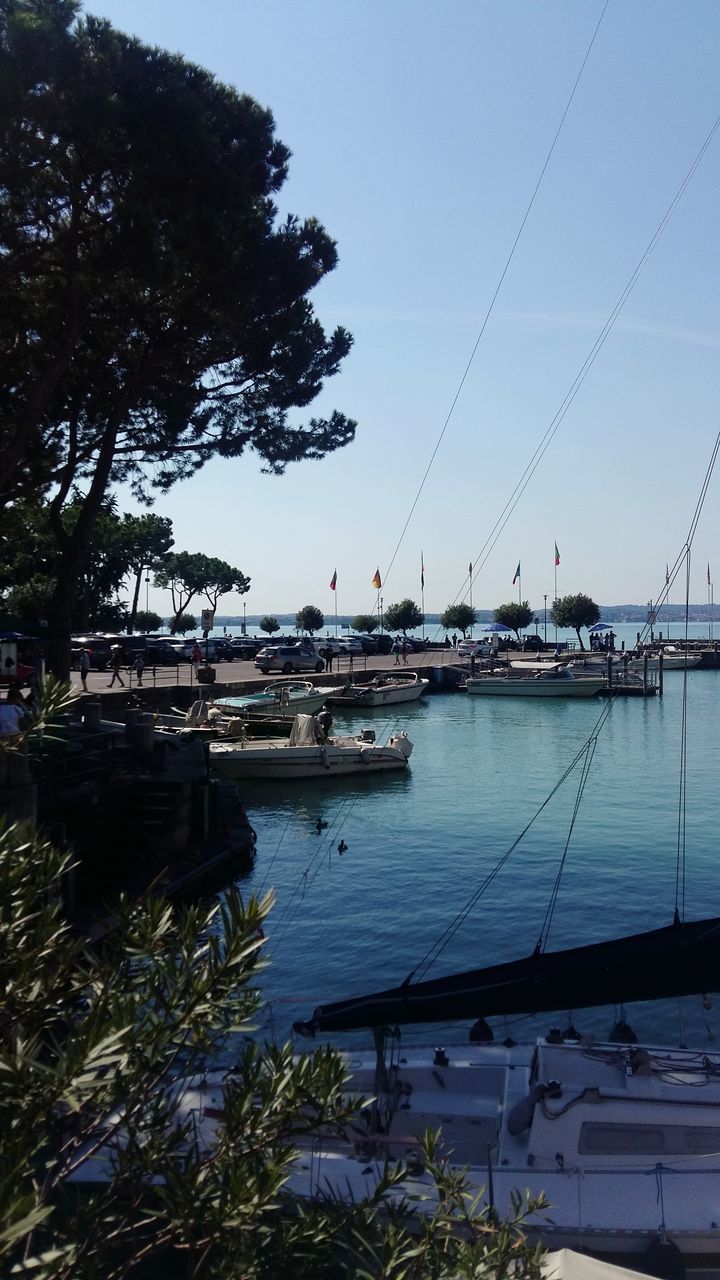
[
  {"x": 369, "y": 643},
  {"x": 350, "y": 644},
  {"x": 384, "y": 642},
  {"x": 532, "y": 644},
  {"x": 243, "y": 647},
  {"x": 160, "y": 653},
  {"x": 288, "y": 658},
  {"x": 223, "y": 649},
  {"x": 478, "y": 648}
]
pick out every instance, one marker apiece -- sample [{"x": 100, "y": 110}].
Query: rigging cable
[
  {"x": 585, "y": 754},
  {"x": 481, "y": 559},
  {"x": 498, "y": 287}
]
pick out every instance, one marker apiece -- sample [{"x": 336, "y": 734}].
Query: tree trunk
[
  {"x": 577, "y": 633},
  {"x": 136, "y": 597}
]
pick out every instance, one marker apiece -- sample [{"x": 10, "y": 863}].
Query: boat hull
[
  {"x": 378, "y": 696},
  {"x": 512, "y": 687},
  {"x": 277, "y": 760}
]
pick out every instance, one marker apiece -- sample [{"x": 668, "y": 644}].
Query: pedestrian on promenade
[
  {"x": 84, "y": 665},
  {"x": 196, "y": 659},
  {"x": 396, "y": 651},
  {"x": 116, "y": 655},
  {"x": 138, "y": 668},
  {"x": 328, "y": 657},
  {"x": 404, "y": 650}
]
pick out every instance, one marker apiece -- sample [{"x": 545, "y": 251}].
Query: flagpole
[
  {"x": 519, "y": 588},
  {"x": 336, "y": 618},
  {"x": 422, "y": 590},
  {"x": 471, "y": 580}
]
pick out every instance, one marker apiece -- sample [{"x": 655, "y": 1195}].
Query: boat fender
[
  {"x": 622, "y": 1033},
  {"x": 324, "y": 757},
  {"x": 663, "y": 1258}
]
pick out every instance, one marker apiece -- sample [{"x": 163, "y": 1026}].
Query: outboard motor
[{"x": 403, "y": 744}]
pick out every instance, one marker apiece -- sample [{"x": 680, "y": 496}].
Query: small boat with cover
[{"x": 310, "y": 753}]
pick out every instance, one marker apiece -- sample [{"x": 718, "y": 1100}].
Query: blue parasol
[
  {"x": 600, "y": 626},
  {"x": 497, "y": 626}
]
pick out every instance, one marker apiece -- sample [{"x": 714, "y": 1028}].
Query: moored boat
[
  {"x": 382, "y": 691},
  {"x": 308, "y": 753},
  {"x": 549, "y": 680},
  {"x": 284, "y": 697},
  {"x": 672, "y": 660}
]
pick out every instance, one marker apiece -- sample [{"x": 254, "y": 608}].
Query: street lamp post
[
  {"x": 147, "y": 592},
  {"x": 382, "y": 627},
  {"x": 545, "y": 619}
]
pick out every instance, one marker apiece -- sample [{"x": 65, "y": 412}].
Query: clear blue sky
[{"x": 418, "y": 131}]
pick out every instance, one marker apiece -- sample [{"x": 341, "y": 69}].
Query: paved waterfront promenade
[{"x": 242, "y": 673}]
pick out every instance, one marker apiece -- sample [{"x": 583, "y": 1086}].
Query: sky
[{"x": 418, "y": 133}]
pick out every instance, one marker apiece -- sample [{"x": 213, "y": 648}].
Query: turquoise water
[{"x": 420, "y": 844}]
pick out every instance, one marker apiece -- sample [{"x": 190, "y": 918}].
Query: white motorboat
[
  {"x": 546, "y": 680},
  {"x": 672, "y": 660},
  {"x": 308, "y": 753},
  {"x": 382, "y": 691},
  {"x": 285, "y": 697}
]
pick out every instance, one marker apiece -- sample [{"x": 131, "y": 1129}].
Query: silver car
[{"x": 288, "y": 658}]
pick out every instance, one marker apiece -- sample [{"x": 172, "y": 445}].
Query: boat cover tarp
[
  {"x": 681, "y": 959},
  {"x": 566, "y": 1264}
]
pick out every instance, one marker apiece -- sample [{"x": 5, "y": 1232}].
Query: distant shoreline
[{"x": 615, "y": 614}]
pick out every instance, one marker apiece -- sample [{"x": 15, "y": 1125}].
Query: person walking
[
  {"x": 84, "y": 666},
  {"x": 404, "y": 650},
  {"x": 396, "y": 650},
  {"x": 138, "y": 668},
  {"x": 328, "y": 658},
  {"x": 196, "y": 659},
  {"x": 116, "y": 657}
]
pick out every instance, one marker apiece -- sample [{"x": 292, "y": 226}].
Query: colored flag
[
  {"x": 422, "y": 572},
  {"x": 557, "y": 556},
  {"x": 377, "y": 580},
  {"x": 667, "y": 576},
  {"x": 709, "y": 578},
  {"x": 517, "y": 574},
  {"x": 333, "y": 580},
  {"x": 470, "y": 568}
]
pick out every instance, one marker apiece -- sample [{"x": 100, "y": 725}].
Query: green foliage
[
  {"x": 187, "y": 574},
  {"x": 365, "y": 623},
  {"x": 576, "y": 612},
  {"x": 309, "y": 618},
  {"x": 155, "y": 307},
  {"x": 269, "y": 625},
  {"x": 147, "y": 621},
  {"x": 183, "y": 623},
  {"x": 404, "y": 616},
  {"x": 515, "y": 616},
  {"x": 458, "y": 617},
  {"x": 94, "y": 1047}
]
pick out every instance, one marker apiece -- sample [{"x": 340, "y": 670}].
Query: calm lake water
[{"x": 420, "y": 844}]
